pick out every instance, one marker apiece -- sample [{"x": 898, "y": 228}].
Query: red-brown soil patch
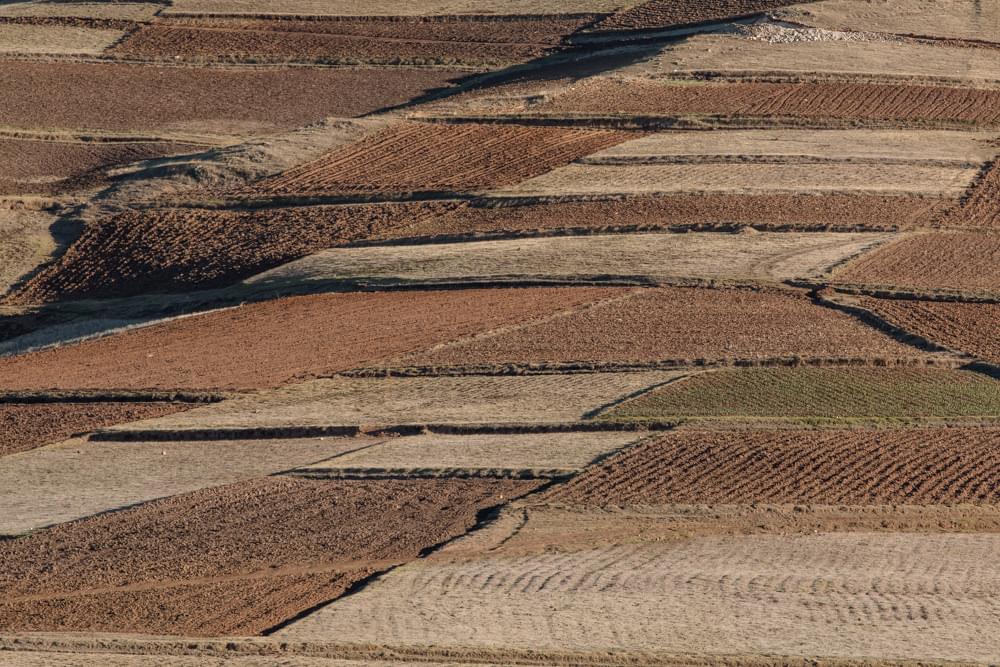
[
  {"x": 981, "y": 206},
  {"x": 472, "y": 42},
  {"x": 678, "y": 323},
  {"x": 50, "y": 167},
  {"x": 234, "y": 560},
  {"x": 807, "y": 100},
  {"x": 422, "y": 156},
  {"x": 859, "y": 467},
  {"x": 951, "y": 260},
  {"x": 24, "y": 426},
  {"x": 783, "y": 212},
  {"x": 269, "y": 343},
  {"x": 968, "y": 327},
  {"x": 664, "y": 13},
  {"x": 136, "y": 252},
  {"x": 127, "y": 97}
]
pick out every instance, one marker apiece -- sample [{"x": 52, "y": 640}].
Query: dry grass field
[
  {"x": 55, "y": 39},
  {"x": 123, "y": 11},
  {"x": 389, "y": 8},
  {"x": 27, "y": 243}
]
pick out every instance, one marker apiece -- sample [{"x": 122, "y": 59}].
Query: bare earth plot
[
  {"x": 519, "y": 455},
  {"x": 27, "y": 243},
  {"x": 981, "y": 206},
  {"x": 968, "y": 327},
  {"x": 392, "y": 8},
  {"x": 678, "y": 323},
  {"x": 30, "y": 425},
  {"x": 964, "y": 261},
  {"x": 834, "y": 595},
  {"x": 386, "y": 401},
  {"x": 76, "y": 479},
  {"x": 134, "y": 11},
  {"x": 234, "y": 560},
  {"x": 953, "y": 19},
  {"x": 665, "y": 13},
  {"x": 64, "y": 659},
  {"x": 807, "y": 394},
  {"x": 55, "y": 39},
  {"x": 659, "y": 256},
  {"x": 268, "y": 344},
  {"x": 926, "y": 466}
]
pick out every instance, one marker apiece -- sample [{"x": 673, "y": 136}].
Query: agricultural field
[{"x": 358, "y": 333}]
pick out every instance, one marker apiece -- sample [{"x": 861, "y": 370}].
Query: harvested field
[
  {"x": 77, "y": 479},
  {"x": 805, "y": 393},
  {"x": 31, "y": 658},
  {"x": 137, "y": 252},
  {"x": 27, "y": 242},
  {"x": 949, "y": 19},
  {"x": 590, "y": 179},
  {"x": 417, "y": 156},
  {"x": 658, "y": 256},
  {"x": 235, "y": 560},
  {"x": 133, "y": 11},
  {"x": 26, "y": 426},
  {"x": 677, "y": 323},
  {"x": 781, "y": 212},
  {"x": 861, "y": 101},
  {"x": 55, "y": 39},
  {"x": 120, "y": 97},
  {"x": 525, "y": 455},
  {"x": 929, "y": 466},
  {"x": 968, "y": 327},
  {"x": 666, "y": 13},
  {"x": 51, "y": 167},
  {"x": 841, "y": 59},
  {"x": 981, "y": 206},
  {"x": 963, "y": 261},
  {"x": 392, "y": 8},
  {"x": 387, "y": 401},
  {"x": 270, "y": 343},
  {"x": 835, "y": 595}
]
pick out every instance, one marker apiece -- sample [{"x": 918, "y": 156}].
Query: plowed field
[
  {"x": 808, "y": 100},
  {"x": 665, "y": 13},
  {"x": 394, "y": 8},
  {"x": 981, "y": 207},
  {"x": 414, "y": 156},
  {"x": 134, "y": 252},
  {"x": 25, "y": 426},
  {"x": 220, "y": 101},
  {"x": 968, "y": 327},
  {"x": 820, "y": 393},
  {"x": 911, "y": 467},
  {"x": 230, "y": 561},
  {"x": 267, "y": 344},
  {"x": 678, "y": 323},
  {"x": 953, "y": 260}
]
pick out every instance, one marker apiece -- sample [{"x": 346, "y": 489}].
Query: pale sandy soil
[
  {"x": 45, "y": 659},
  {"x": 956, "y": 19},
  {"x": 55, "y": 39},
  {"x": 586, "y": 179},
  {"x": 136, "y": 11},
  {"x": 27, "y": 242},
  {"x": 543, "y": 454},
  {"x": 77, "y": 478},
  {"x": 710, "y": 255},
  {"x": 394, "y": 8},
  {"x": 420, "y": 400}
]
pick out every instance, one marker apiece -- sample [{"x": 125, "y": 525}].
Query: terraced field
[
  {"x": 389, "y": 8},
  {"x": 665, "y": 13},
  {"x": 979, "y": 208}
]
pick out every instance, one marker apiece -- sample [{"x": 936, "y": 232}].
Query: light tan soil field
[
  {"x": 15, "y": 38},
  {"x": 27, "y": 243},
  {"x": 953, "y": 19},
  {"x": 135, "y": 11},
  {"x": 678, "y": 323},
  {"x": 387, "y": 401},
  {"x": 51, "y": 659},
  {"x": 963, "y": 261},
  {"x": 522, "y": 455},
  {"x": 76, "y": 479},
  {"x": 658, "y": 256},
  {"x": 836, "y": 595},
  {"x": 807, "y": 394},
  {"x": 665, "y": 13},
  {"x": 927, "y": 466},
  {"x": 391, "y": 8}
]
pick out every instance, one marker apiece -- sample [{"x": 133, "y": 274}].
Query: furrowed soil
[
  {"x": 862, "y": 101},
  {"x": 928, "y": 466},
  {"x": 806, "y": 393},
  {"x": 678, "y": 323},
  {"x": 393, "y": 8},
  {"x": 51, "y": 167},
  {"x": 270, "y": 343},
  {"x": 387, "y": 401},
  {"x": 235, "y": 560},
  {"x": 981, "y": 206},
  {"x": 118, "y": 97},
  {"x": 665, "y": 13},
  {"x": 76, "y": 479},
  {"x": 171, "y": 250},
  {"x": 770, "y": 211},
  {"x": 417, "y": 156},
  {"x": 952, "y": 260},
  {"x": 26, "y": 426},
  {"x": 968, "y": 327}
]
